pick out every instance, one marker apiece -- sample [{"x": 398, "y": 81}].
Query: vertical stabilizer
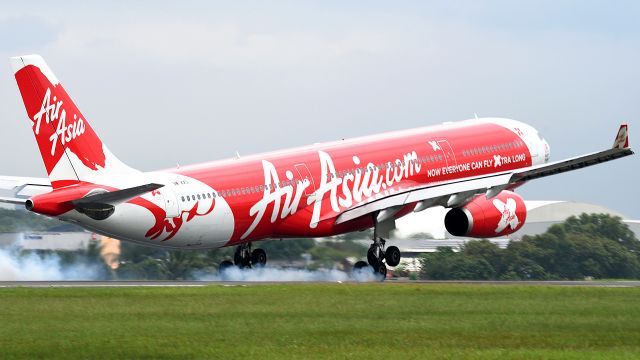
[{"x": 71, "y": 150}]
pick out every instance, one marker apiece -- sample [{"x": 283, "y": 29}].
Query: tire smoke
[
  {"x": 273, "y": 274},
  {"x": 49, "y": 267}
]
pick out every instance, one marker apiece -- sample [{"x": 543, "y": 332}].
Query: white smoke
[
  {"x": 32, "y": 267},
  {"x": 272, "y": 274},
  {"x": 49, "y": 267}
]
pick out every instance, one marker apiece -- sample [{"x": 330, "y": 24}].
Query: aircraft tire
[
  {"x": 259, "y": 257},
  {"x": 360, "y": 265},
  {"x": 382, "y": 271},
  {"x": 392, "y": 255},
  {"x": 225, "y": 265}
]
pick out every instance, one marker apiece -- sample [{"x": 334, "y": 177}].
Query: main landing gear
[
  {"x": 244, "y": 257},
  {"x": 377, "y": 255}
]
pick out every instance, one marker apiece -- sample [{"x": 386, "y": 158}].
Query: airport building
[
  {"x": 47, "y": 240},
  {"x": 62, "y": 241},
  {"x": 542, "y": 214}
]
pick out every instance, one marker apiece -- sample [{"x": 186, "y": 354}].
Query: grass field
[{"x": 364, "y": 321}]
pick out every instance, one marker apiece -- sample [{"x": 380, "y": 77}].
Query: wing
[
  {"x": 460, "y": 191},
  {"x": 16, "y": 190}
]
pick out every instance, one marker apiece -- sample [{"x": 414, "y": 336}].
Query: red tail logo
[{"x": 56, "y": 121}]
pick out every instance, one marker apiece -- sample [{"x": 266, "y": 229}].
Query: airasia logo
[
  {"x": 52, "y": 112},
  {"x": 508, "y": 211},
  {"x": 57, "y": 123},
  {"x": 621, "y": 138},
  {"x": 343, "y": 191}
]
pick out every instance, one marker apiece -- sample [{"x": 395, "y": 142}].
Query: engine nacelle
[{"x": 483, "y": 218}]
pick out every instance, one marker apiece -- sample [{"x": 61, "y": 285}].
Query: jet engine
[{"x": 483, "y": 218}]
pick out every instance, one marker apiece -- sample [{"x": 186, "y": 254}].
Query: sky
[{"x": 166, "y": 83}]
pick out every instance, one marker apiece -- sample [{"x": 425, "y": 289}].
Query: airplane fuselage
[{"x": 299, "y": 192}]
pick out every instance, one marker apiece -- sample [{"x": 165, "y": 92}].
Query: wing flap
[{"x": 467, "y": 186}]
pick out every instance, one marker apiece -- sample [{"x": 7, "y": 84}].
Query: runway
[{"x": 62, "y": 284}]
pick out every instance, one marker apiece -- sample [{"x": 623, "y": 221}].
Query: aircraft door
[
  {"x": 443, "y": 147},
  {"x": 170, "y": 201},
  {"x": 449, "y": 155}
]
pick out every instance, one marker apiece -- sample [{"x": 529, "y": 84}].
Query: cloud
[
  {"x": 223, "y": 45},
  {"x": 20, "y": 33},
  {"x": 195, "y": 82}
]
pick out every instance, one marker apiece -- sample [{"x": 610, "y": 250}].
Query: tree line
[{"x": 588, "y": 246}]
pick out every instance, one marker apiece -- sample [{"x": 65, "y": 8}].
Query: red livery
[{"x": 471, "y": 167}]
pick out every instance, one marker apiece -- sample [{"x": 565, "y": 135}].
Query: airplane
[{"x": 320, "y": 190}]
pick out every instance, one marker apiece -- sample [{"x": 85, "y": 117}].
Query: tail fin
[
  {"x": 70, "y": 149},
  {"x": 622, "y": 138}
]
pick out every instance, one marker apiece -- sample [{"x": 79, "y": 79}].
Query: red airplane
[{"x": 319, "y": 190}]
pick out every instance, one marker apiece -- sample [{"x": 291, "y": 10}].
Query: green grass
[{"x": 364, "y": 321}]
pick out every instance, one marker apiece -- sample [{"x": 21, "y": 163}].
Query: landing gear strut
[
  {"x": 244, "y": 257},
  {"x": 377, "y": 255}
]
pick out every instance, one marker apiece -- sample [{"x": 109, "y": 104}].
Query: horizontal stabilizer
[
  {"x": 16, "y": 201},
  {"x": 115, "y": 197}
]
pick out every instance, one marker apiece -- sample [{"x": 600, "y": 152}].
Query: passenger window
[{"x": 183, "y": 199}]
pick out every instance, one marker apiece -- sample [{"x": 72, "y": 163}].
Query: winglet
[{"x": 622, "y": 139}]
